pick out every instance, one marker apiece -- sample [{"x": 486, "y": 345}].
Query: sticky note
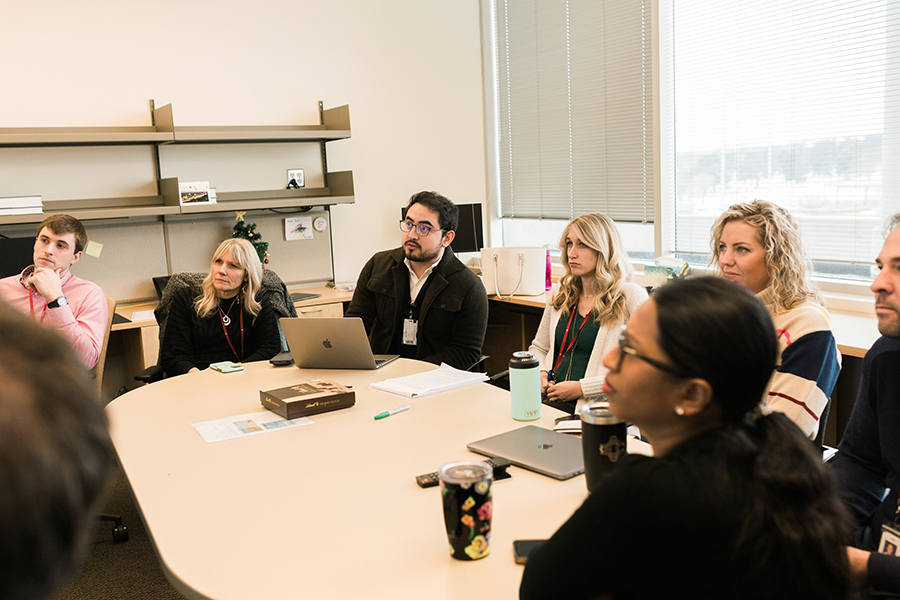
[{"x": 93, "y": 249}]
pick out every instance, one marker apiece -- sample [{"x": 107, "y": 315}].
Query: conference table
[{"x": 327, "y": 510}]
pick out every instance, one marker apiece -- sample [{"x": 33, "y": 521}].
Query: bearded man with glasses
[{"x": 419, "y": 300}]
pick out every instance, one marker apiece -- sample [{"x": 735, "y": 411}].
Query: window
[
  {"x": 796, "y": 102},
  {"x": 572, "y": 93}
]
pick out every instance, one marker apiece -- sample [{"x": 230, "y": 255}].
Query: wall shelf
[
  {"x": 19, "y": 137},
  {"x": 334, "y": 125}
]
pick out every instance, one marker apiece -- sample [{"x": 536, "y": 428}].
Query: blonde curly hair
[
  {"x": 245, "y": 256},
  {"x": 787, "y": 264},
  {"x": 598, "y": 232}
]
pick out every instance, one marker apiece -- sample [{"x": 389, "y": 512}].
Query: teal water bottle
[{"x": 525, "y": 386}]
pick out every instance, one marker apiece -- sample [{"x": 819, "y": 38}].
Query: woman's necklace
[{"x": 225, "y": 318}]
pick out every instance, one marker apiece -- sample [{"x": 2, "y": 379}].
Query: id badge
[
  {"x": 890, "y": 539},
  {"x": 409, "y": 332}
]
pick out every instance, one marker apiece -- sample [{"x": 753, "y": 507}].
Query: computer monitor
[
  {"x": 15, "y": 255},
  {"x": 470, "y": 231}
]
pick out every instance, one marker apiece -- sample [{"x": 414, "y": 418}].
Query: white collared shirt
[{"x": 416, "y": 283}]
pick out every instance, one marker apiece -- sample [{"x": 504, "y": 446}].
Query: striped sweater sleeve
[{"x": 808, "y": 366}]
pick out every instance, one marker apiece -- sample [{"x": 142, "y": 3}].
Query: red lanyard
[
  {"x": 240, "y": 356},
  {"x": 562, "y": 354},
  {"x": 26, "y": 273},
  {"x": 31, "y": 303}
]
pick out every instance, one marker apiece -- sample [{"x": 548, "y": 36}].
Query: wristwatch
[{"x": 61, "y": 301}]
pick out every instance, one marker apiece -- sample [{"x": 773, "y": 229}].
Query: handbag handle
[{"x": 521, "y": 272}]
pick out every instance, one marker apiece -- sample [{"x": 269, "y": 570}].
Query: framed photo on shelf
[{"x": 195, "y": 192}]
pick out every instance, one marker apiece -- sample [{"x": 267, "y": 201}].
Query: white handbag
[{"x": 509, "y": 271}]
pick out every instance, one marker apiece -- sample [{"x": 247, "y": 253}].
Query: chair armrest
[
  {"x": 150, "y": 374},
  {"x": 499, "y": 376},
  {"x": 500, "y": 380}
]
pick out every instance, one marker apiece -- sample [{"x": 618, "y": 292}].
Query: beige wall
[{"x": 409, "y": 69}]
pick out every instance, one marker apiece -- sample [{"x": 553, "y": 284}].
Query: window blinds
[
  {"x": 792, "y": 101},
  {"x": 574, "y": 96}
]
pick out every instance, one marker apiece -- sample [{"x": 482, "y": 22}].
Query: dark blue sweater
[{"x": 869, "y": 459}]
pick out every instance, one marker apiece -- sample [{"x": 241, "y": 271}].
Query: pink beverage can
[{"x": 548, "y": 281}]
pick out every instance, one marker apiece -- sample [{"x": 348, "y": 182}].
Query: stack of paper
[
  {"x": 21, "y": 205},
  {"x": 430, "y": 382}
]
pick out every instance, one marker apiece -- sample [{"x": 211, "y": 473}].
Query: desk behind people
[{"x": 329, "y": 510}]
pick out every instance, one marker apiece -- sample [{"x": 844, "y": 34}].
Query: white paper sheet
[
  {"x": 244, "y": 425},
  {"x": 143, "y": 315},
  {"x": 430, "y": 382}
]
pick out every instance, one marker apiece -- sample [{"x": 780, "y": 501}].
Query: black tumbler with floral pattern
[{"x": 466, "y": 494}]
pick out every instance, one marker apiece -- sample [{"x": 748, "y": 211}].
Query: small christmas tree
[{"x": 248, "y": 232}]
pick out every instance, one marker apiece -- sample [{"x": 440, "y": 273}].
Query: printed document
[
  {"x": 243, "y": 425},
  {"x": 430, "y": 382}
]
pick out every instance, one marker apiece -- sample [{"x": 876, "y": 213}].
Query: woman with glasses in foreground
[
  {"x": 757, "y": 244},
  {"x": 596, "y": 296},
  {"x": 735, "y": 502}
]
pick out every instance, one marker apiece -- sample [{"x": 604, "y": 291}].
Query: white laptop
[
  {"x": 331, "y": 343},
  {"x": 549, "y": 453}
]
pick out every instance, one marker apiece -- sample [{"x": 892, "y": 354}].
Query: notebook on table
[
  {"x": 331, "y": 343},
  {"x": 537, "y": 449}
]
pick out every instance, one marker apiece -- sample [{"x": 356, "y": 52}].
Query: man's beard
[
  {"x": 421, "y": 256},
  {"x": 888, "y": 327}
]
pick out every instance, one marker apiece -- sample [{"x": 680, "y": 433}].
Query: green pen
[{"x": 391, "y": 412}]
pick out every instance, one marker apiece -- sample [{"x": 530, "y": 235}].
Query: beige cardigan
[{"x": 545, "y": 342}]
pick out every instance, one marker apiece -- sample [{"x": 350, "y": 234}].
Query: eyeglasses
[
  {"x": 422, "y": 230},
  {"x": 626, "y": 349}
]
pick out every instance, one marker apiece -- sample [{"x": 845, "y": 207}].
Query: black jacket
[
  {"x": 453, "y": 314},
  {"x": 190, "y": 341}
]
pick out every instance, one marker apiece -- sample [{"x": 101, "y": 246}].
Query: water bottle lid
[
  {"x": 523, "y": 360},
  {"x": 597, "y": 412},
  {"x": 466, "y": 472}
]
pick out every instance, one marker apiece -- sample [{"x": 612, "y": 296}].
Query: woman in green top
[{"x": 594, "y": 299}]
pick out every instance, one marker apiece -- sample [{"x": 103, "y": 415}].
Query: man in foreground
[{"x": 54, "y": 457}]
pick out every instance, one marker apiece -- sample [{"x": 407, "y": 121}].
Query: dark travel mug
[
  {"x": 603, "y": 440},
  {"x": 466, "y": 495}
]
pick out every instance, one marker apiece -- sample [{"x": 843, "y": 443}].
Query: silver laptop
[
  {"x": 331, "y": 343},
  {"x": 549, "y": 453}
]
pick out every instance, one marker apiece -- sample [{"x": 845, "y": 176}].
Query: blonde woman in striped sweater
[{"x": 757, "y": 244}]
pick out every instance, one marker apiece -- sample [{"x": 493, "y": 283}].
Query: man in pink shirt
[{"x": 46, "y": 290}]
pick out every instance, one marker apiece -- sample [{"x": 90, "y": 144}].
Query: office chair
[
  {"x": 819, "y": 440},
  {"x": 97, "y": 371},
  {"x": 120, "y": 531},
  {"x": 500, "y": 380},
  {"x": 159, "y": 284},
  {"x": 271, "y": 283}
]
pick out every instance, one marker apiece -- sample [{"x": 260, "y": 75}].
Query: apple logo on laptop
[{"x": 327, "y": 343}]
